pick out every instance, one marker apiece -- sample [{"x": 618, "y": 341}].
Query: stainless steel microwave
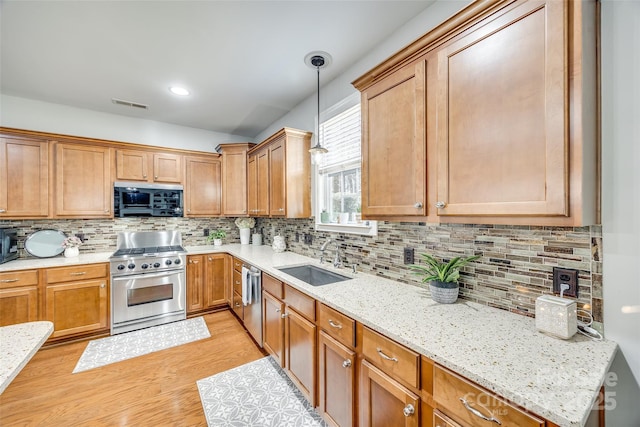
[
  {"x": 8, "y": 244},
  {"x": 134, "y": 199}
]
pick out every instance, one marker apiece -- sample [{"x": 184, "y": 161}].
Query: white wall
[
  {"x": 22, "y": 113},
  {"x": 303, "y": 115},
  {"x": 621, "y": 200}
]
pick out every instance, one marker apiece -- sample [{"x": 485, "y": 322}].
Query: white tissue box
[{"x": 556, "y": 316}]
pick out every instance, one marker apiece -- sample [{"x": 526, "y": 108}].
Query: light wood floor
[{"x": 158, "y": 389}]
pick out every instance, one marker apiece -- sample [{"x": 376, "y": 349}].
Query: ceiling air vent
[{"x": 129, "y": 103}]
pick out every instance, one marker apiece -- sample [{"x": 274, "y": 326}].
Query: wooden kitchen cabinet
[
  {"x": 279, "y": 175},
  {"x": 203, "y": 185},
  {"x": 301, "y": 354},
  {"x": 273, "y": 326},
  {"x": 83, "y": 185},
  {"x": 394, "y": 145},
  {"x": 24, "y": 177},
  {"x": 336, "y": 381},
  {"x": 234, "y": 178},
  {"x": 195, "y": 283},
  {"x": 77, "y": 299},
  {"x": 147, "y": 166},
  {"x": 207, "y": 276},
  {"x": 18, "y": 297}
]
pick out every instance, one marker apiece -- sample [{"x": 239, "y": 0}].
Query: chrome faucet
[{"x": 337, "y": 261}]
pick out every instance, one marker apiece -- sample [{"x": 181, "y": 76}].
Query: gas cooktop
[{"x": 160, "y": 250}]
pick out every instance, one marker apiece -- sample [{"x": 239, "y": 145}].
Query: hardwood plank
[{"x": 154, "y": 389}]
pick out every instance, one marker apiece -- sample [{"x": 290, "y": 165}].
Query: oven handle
[{"x": 147, "y": 275}]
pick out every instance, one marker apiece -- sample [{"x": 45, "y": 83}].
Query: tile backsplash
[{"x": 516, "y": 264}]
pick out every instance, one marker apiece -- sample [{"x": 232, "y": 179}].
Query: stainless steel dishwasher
[{"x": 252, "y": 301}]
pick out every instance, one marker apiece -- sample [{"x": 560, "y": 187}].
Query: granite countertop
[
  {"x": 502, "y": 351},
  {"x": 18, "y": 344}
]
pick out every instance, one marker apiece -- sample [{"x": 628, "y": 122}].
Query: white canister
[
  {"x": 256, "y": 239},
  {"x": 278, "y": 244},
  {"x": 245, "y": 233},
  {"x": 556, "y": 316}
]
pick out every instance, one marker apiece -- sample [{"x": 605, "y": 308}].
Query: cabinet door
[
  {"x": 252, "y": 184},
  {"x": 394, "y": 145},
  {"x": 277, "y": 179},
  {"x": 273, "y": 327},
  {"x": 203, "y": 187},
  {"x": 216, "y": 278},
  {"x": 195, "y": 283},
  {"x": 301, "y": 353},
  {"x": 234, "y": 181},
  {"x": 24, "y": 178},
  {"x": 336, "y": 381},
  {"x": 83, "y": 181},
  {"x": 263, "y": 188},
  {"x": 167, "y": 167},
  {"x": 18, "y": 305},
  {"x": 502, "y": 116},
  {"x": 77, "y": 307},
  {"x": 384, "y": 401},
  {"x": 132, "y": 165}
]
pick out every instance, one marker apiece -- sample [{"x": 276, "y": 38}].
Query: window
[{"x": 338, "y": 176}]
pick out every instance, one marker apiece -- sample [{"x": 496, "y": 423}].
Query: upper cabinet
[
  {"x": 83, "y": 184},
  {"x": 202, "y": 186},
  {"x": 139, "y": 165},
  {"x": 234, "y": 178},
  {"x": 24, "y": 177},
  {"x": 279, "y": 176},
  {"x": 503, "y": 97}
]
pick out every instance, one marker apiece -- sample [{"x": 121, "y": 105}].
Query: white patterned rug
[
  {"x": 144, "y": 341},
  {"x": 256, "y": 394}
]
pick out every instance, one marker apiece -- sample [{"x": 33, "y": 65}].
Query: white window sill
[{"x": 366, "y": 228}]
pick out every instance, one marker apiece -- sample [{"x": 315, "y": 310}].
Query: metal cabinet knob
[
  {"x": 144, "y": 176},
  {"x": 277, "y": 310},
  {"x": 346, "y": 363},
  {"x": 210, "y": 259},
  {"x": 440, "y": 205},
  {"x": 3, "y": 210},
  {"x": 106, "y": 211},
  {"x": 155, "y": 177},
  {"x": 408, "y": 410},
  {"x": 284, "y": 315},
  {"x": 281, "y": 209},
  {"x": 418, "y": 205},
  {"x": 102, "y": 285}
]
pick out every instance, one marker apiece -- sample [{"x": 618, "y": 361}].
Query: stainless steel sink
[{"x": 314, "y": 276}]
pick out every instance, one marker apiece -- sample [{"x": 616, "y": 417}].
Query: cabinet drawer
[
  {"x": 302, "y": 303},
  {"x": 395, "y": 360},
  {"x": 452, "y": 391},
  {"x": 337, "y": 325},
  {"x": 78, "y": 272},
  {"x": 237, "y": 282},
  {"x": 14, "y": 279},
  {"x": 273, "y": 286},
  {"x": 441, "y": 420},
  {"x": 237, "y": 265},
  {"x": 237, "y": 305}
]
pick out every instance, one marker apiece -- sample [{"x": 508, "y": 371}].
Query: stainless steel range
[{"x": 148, "y": 280}]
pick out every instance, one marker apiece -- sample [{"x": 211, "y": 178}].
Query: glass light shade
[{"x": 316, "y": 153}]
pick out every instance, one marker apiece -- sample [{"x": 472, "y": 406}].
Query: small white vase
[
  {"x": 71, "y": 252},
  {"x": 245, "y": 236},
  {"x": 217, "y": 242},
  {"x": 278, "y": 244}
]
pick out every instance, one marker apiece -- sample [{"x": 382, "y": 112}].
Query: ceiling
[{"x": 243, "y": 61}]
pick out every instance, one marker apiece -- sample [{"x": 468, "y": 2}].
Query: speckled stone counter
[
  {"x": 501, "y": 351},
  {"x": 18, "y": 344},
  {"x": 57, "y": 261}
]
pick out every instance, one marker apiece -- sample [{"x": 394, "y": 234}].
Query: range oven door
[{"x": 147, "y": 300}]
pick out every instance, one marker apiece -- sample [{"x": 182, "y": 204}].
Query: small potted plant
[
  {"x": 217, "y": 237},
  {"x": 442, "y": 276},
  {"x": 71, "y": 246}
]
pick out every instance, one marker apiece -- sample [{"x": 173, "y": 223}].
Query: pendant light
[{"x": 318, "y": 60}]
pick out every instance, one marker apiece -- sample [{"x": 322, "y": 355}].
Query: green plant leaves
[{"x": 439, "y": 270}]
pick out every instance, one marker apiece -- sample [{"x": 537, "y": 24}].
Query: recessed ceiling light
[{"x": 177, "y": 90}]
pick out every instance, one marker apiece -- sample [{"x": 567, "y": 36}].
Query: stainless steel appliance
[
  {"x": 8, "y": 244},
  {"x": 131, "y": 199},
  {"x": 252, "y": 301},
  {"x": 148, "y": 280}
]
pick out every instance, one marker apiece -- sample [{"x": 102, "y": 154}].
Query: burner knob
[
  {"x": 168, "y": 262},
  {"x": 120, "y": 267},
  {"x": 177, "y": 261},
  {"x": 131, "y": 266},
  {"x": 156, "y": 265},
  {"x": 144, "y": 266}
]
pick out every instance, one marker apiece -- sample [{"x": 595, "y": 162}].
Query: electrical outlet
[
  {"x": 308, "y": 239},
  {"x": 568, "y": 276},
  {"x": 81, "y": 237},
  {"x": 409, "y": 257},
  {"x": 206, "y": 232},
  {"x": 297, "y": 237}
]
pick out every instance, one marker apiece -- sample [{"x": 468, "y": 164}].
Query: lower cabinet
[
  {"x": 300, "y": 352},
  {"x": 273, "y": 326},
  {"x": 384, "y": 401},
  {"x": 18, "y": 297},
  {"x": 336, "y": 381},
  {"x": 207, "y": 276},
  {"x": 77, "y": 299}
]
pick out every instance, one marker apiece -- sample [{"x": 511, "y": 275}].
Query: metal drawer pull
[
  {"x": 408, "y": 410},
  {"x": 334, "y": 324},
  {"x": 9, "y": 280},
  {"x": 478, "y": 414},
  {"x": 346, "y": 363},
  {"x": 80, "y": 273},
  {"x": 3, "y": 210},
  {"x": 237, "y": 304},
  {"x": 384, "y": 356}
]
